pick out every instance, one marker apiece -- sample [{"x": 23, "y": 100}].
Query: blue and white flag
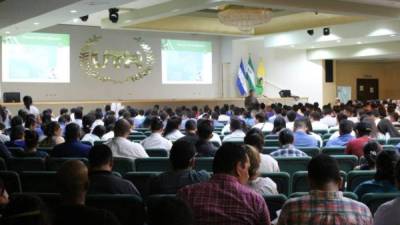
[{"x": 241, "y": 80}]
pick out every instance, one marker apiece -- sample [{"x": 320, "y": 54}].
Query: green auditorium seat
[
  {"x": 3, "y": 165},
  {"x": 142, "y": 130},
  {"x": 346, "y": 162},
  {"x": 300, "y": 181},
  {"x": 339, "y": 150},
  {"x": 87, "y": 143},
  {"x": 216, "y": 143},
  {"x": 268, "y": 150},
  {"x": 99, "y": 142},
  {"x": 393, "y": 141},
  {"x": 356, "y": 177},
  {"x": 331, "y": 131},
  {"x": 374, "y": 200},
  {"x": 271, "y": 137},
  {"x": 123, "y": 165},
  {"x": 129, "y": 209},
  {"x": 350, "y": 195},
  {"x": 11, "y": 181},
  {"x": 26, "y": 164},
  {"x": 157, "y": 152},
  {"x": 271, "y": 143},
  {"x": 51, "y": 200},
  {"x": 137, "y": 137},
  {"x": 275, "y": 203},
  {"x": 320, "y": 132},
  {"x": 293, "y": 164},
  {"x": 389, "y": 148},
  {"x": 326, "y": 136},
  {"x": 147, "y": 133},
  {"x": 265, "y": 133},
  {"x": 153, "y": 164},
  {"x": 310, "y": 151},
  {"x": 282, "y": 181},
  {"x": 15, "y": 150},
  {"x": 235, "y": 142},
  {"x": 204, "y": 163},
  {"x": 39, "y": 181},
  {"x": 381, "y": 141},
  {"x": 141, "y": 180},
  {"x": 53, "y": 164},
  {"x": 45, "y": 149}
]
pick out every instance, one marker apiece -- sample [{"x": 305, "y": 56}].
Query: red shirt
[
  {"x": 224, "y": 201},
  {"x": 355, "y": 146}
]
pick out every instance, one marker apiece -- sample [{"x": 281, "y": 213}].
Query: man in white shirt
[
  {"x": 223, "y": 117},
  {"x": 291, "y": 117},
  {"x": 29, "y": 108},
  {"x": 237, "y": 132},
  {"x": 121, "y": 146},
  {"x": 316, "y": 123},
  {"x": 329, "y": 118},
  {"x": 156, "y": 140},
  {"x": 262, "y": 124}
]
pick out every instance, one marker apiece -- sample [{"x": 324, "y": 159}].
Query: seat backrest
[
  {"x": 204, "y": 163},
  {"x": 26, "y": 164},
  {"x": 55, "y": 163},
  {"x": 320, "y": 132},
  {"x": 271, "y": 137},
  {"x": 157, "y": 152},
  {"x": 268, "y": 150},
  {"x": 3, "y": 164},
  {"x": 141, "y": 180},
  {"x": 99, "y": 142},
  {"x": 282, "y": 181},
  {"x": 137, "y": 137},
  {"x": 153, "y": 164},
  {"x": 393, "y": 141},
  {"x": 346, "y": 162},
  {"x": 374, "y": 200},
  {"x": 339, "y": 150},
  {"x": 87, "y": 143},
  {"x": 271, "y": 143},
  {"x": 311, "y": 151},
  {"x": 11, "y": 181},
  {"x": 293, "y": 164},
  {"x": 275, "y": 203},
  {"x": 129, "y": 209},
  {"x": 123, "y": 165},
  {"x": 39, "y": 181},
  {"x": 45, "y": 149},
  {"x": 300, "y": 181},
  {"x": 356, "y": 177},
  {"x": 350, "y": 195}
]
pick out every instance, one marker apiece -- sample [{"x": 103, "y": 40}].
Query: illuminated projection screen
[
  {"x": 36, "y": 57},
  {"x": 186, "y": 62}
]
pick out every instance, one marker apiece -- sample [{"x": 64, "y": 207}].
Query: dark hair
[
  {"x": 260, "y": 117},
  {"x": 291, "y": 115},
  {"x": 27, "y": 101},
  {"x": 51, "y": 128},
  {"x": 285, "y": 137},
  {"x": 72, "y": 179},
  {"x": 255, "y": 139},
  {"x": 385, "y": 126},
  {"x": 63, "y": 111},
  {"x": 99, "y": 131},
  {"x": 235, "y": 124},
  {"x": 371, "y": 150},
  {"x": 30, "y": 121},
  {"x": 227, "y": 157},
  {"x": 16, "y": 121},
  {"x": 17, "y": 132},
  {"x": 323, "y": 169},
  {"x": 204, "y": 129},
  {"x": 109, "y": 122},
  {"x": 31, "y": 139},
  {"x": 279, "y": 124},
  {"x": 156, "y": 123},
  {"x": 172, "y": 124},
  {"x": 345, "y": 127},
  {"x": 385, "y": 163},
  {"x": 363, "y": 128},
  {"x": 299, "y": 123},
  {"x": 87, "y": 122},
  {"x": 72, "y": 132},
  {"x": 122, "y": 127},
  {"x": 190, "y": 124},
  {"x": 181, "y": 153},
  {"x": 100, "y": 155},
  {"x": 169, "y": 211},
  {"x": 78, "y": 113}
]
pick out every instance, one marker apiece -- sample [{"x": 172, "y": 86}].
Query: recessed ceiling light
[
  {"x": 128, "y": 21},
  {"x": 292, "y": 46},
  {"x": 73, "y": 11},
  {"x": 312, "y": 47},
  {"x": 8, "y": 32},
  {"x": 75, "y": 20},
  {"x": 338, "y": 41},
  {"x": 359, "y": 42},
  {"x": 393, "y": 35},
  {"x": 36, "y": 23},
  {"x": 175, "y": 10}
]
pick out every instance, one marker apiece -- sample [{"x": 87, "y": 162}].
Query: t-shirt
[
  {"x": 356, "y": 146},
  {"x": 104, "y": 182}
]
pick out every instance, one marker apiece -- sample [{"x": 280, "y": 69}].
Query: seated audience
[
  {"x": 204, "y": 146},
  {"x": 371, "y": 150},
  {"x": 356, "y": 146},
  {"x": 384, "y": 176},
  {"x": 73, "y": 183},
  {"x": 324, "y": 204},
  {"x": 171, "y": 131},
  {"x": 310, "y": 132},
  {"x": 109, "y": 124},
  {"x": 29, "y": 107},
  {"x": 3, "y": 136},
  {"x": 279, "y": 124},
  {"x": 4, "y": 152},
  {"x": 31, "y": 144},
  {"x": 316, "y": 123},
  {"x": 87, "y": 123},
  {"x": 287, "y": 148},
  {"x": 231, "y": 201},
  {"x": 169, "y": 211},
  {"x": 329, "y": 117},
  {"x": 386, "y": 130},
  {"x": 345, "y": 129},
  {"x": 291, "y": 117},
  {"x": 95, "y": 135},
  {"x": 261, "y": 185},
  {"x": 121, "y": 146},
  {"x": 301, "y": 138},
  {"x": 255, "y": 138},
  {"x": 53, "y": 134},
  {"x": 77, "y": 116},
  {"x": 262, "y": 124},
  {"x": 101, "y": 178},
  {"x": 17, "y": 138},
  {"x": 98, "y": 115},
  {"x": 72, "y": 146},
  {"x": 156, "y": 140},
  {"x": 191, "y": 129},
  {"x": 237, "y": 133},
  {"x": 182, "y": 158},
  {"x": 388, "y": 213}
]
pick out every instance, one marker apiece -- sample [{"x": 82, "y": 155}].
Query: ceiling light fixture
[
  {"x": 326, "y": 31},
  {"x": 244, "y": 18},
  {"x": 310, "y": 32},
  {"x": 292, "y": 46},
  {"x": 359, "y": 42},
  {"x": 393, "y": 35},
  {"x": 8, "y": 32},
  {"x": 73, "y": 11},
  {"x": 75, "y": 20},
  {"x": 338, "y": 41},
  {"x": 36, "y": 23},
  {"x": 84, "y": 18},
  {"x": 114, "y": 16}
]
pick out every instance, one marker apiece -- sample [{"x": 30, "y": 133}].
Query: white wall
[{"x": 82, "y": 87}]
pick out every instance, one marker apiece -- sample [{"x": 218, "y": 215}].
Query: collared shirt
[
  {"x": 224, "y": 118},
  {"x": 105, "y": 182},
  {"x": 122, "y": 147},
  {"x": 288, "y": 151},
  {"x": 138, "y": 120},
  {"x": 302, "y": 139},
  {"x": 328, "y": 208},
  {"x": 90, "y": 138},
  {"x": 388, "y": 213},
  {"x": 215, "y": 138},
  {"x": 205, "y": 148},
  {"x": 97, "y": 123},
  {"x": 318, "y": 125},
  {"x": 337, "y": 134},
  {"x": 71, "y": 149},
  {"x": 329, "y": 120},
  {"x": 356, "y": 146},
  {"x": 237, "y": 135},
  {"x": 156, "y": 141},
  {"x": 107, "y": 136},
  {"x": 174, "y": 135},
  {"x": 340, "y": 141},
  {"x": 268, "y": 164},
  {"x": 264, "y": 126},
  {"x": 225, "y": 201},
  {"x": 264, "y": 186},
  {"x": 374, "y": 186}
]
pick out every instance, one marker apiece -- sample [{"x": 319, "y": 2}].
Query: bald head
[
  {"x": 72, "y": 179},
  {"x": 122, "y": 128}
]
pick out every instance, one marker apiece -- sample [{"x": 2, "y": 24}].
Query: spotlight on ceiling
[
  {"x": 113, "y": 15},
  {"x": 326, "y": 31},
  {"x": 310, "y": 32},
  {"x": 84, "y": 18}
]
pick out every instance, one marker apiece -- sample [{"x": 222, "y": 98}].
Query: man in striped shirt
[{"x": 287, "y": 148}]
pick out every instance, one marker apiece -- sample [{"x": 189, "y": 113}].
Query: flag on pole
[
  {"x": 260, "y": 77},
  {"x": 241, "y": 80},
  {"x": 250, "y": 75}
]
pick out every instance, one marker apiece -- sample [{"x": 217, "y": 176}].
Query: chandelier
[{"x": 244, "y": 18}]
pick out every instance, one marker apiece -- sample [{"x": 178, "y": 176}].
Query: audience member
[
  {"x": 291, "y": 117},
  {"x": 3, "y": 194},
  {"x": 31, "y": 144},
  {"x": 279, "y": 124},
  {"x": 356, "y": 146},
  {"x": 287, "y": 148},
  {"x": 371, "y": 151},
  {"x": 386, "y": 130},
  {"x": 72, "y": 146},
  {"x": 301, "y": 138},
  {"x": 262, "y": 124},
  {"x": 169, "y": 211},
  {"x": 53, "y": 134},
  {"x": 345, "y": 129},
  {"x": 316, "y": 123},
  {"x": 29, "y": 108},
  {"x": 156, "y": 140},
  {"x": 191, "y": 129},
  {"x": 204, "y": 146},
  {"x": 95, "y": 135},
  {"x": 17, "y": 138},
  {"x": 237, "y": 134},
  {"x": 171, "y": 131}
]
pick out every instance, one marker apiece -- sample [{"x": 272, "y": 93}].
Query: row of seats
[{"x": 43, "y": 181}]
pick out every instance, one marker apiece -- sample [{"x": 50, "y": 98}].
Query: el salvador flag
[{"x": 241, "y": 80}]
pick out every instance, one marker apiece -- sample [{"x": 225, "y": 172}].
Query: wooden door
[{"x": 367, "y": 89}]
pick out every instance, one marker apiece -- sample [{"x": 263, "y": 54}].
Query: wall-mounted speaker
[{"x": 328, "y": 71}]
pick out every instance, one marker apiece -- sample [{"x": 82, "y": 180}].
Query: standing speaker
[{"x": 328, "y": 71}]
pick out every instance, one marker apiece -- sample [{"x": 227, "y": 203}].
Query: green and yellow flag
[{"x": 260, "y": 78}]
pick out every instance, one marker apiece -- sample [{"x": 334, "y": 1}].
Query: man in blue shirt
[
  {"x": 301, "y": 138},
  {"x": 72, "y": 146},
  {"x": 287, "y": 149},
  {"x": 345, "y": 129}
]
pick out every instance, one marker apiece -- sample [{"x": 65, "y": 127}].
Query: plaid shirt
[
  {"x": 327, "y": 208},
  {"x": 288, "y": 151},
  {"x": 223, "y": 200}
]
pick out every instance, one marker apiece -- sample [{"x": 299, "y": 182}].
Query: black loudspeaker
[
  {"x": 285, "y": 93},
  {"x": 328, "y": 71},
  {"x": 11, "y": 97}
]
